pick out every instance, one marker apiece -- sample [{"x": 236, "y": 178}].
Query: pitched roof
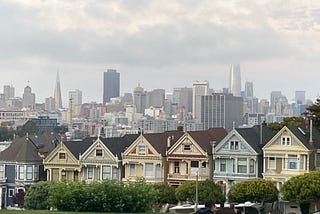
[
  {"x": 205, "y": 137},
  {"x": 79, "y": 147},
  {"x": 252, "y": 136},
  {"x": 302, "y": 132},
  {"x": 29, "y": 149},
  {"x": 159, "y": 141},
  {"x": 117, "y": 145}
]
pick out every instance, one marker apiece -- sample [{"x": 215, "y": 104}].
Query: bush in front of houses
[{"x": 36, "y": 196}]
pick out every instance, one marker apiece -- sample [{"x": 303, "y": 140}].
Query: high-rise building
[
  {"x": 235, "y": 80},
  {"x": 221, "y": 110},
  {"x": 76, "y": 97},
  {"x": 28, "y": 98},
  {"x": 111, "y": 85},
  {"x": 57, "y": 94},
  {"x": 155, "y": 98},
  {"x": 248, "y": 91},
  {"x": 8, "y": 91},
  {"x": 182, "y": 97},
  {"x": 50, "y": 104},
  {"x": 274, "y": 96},
  {"x": 200, "y": 88},
  {"x": 300, "y": 97},
  {"x": 139, "y": 99}
]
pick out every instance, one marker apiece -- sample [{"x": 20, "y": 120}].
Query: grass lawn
[{"x": 49, "y": 212}]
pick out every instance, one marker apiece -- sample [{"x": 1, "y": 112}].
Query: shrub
[{"x": 37, "y": 195}]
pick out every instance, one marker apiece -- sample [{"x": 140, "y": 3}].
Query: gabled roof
[
  {"x": 159, "y": 141},
  {"x": 252, "y": 136},
  {"x": 303, "y": 134},
  {"x": 29, "y": 149},
  {"x": 205, "y": 137},
  {"x": 117, "y": 145},
  {"x": 79, "y": 147}
]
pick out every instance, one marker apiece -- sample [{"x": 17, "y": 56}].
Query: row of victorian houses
[{"x": 171, "y": 157}]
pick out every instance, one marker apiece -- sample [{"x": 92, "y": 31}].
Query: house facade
[
  {"x": 190, "y": 157},
  {"x": 145, "y": 157},
  {"x": 21, "y": 165},
  {"x": 292, "y": 151},
  {"x": 92, "y": 159},
  {"x": 239, "y": 155}
]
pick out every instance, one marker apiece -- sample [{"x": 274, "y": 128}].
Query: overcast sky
[{"x": 161, "y": 44}]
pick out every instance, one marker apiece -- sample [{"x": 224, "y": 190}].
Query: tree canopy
[
  {"x": 302, "y": 189},
  {"x": 254, "y": 190},
  {"x": 207, "y": 190},
  {"x": 313, "y": 112},
  {"x": 287, "y": 121}
]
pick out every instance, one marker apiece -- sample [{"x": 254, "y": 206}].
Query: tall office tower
[
  {"x": 8, "y": 91},
  {"x": 49, "y": 105},
  {"x": 155, "y": 98},
  {"x": 139, "y": 99},
  {"x": 248, "y": 91},
  {"x": 274, "y": 96},
  {"x": 235, "y": 80},
  {"x": 76, "y": 97},
  {"x": 111, "y": 85},
  {"x": 221, "y": 110},
  {"x": 300, "y": 97},
  {"x": 57, "y": 94},
  {"x": 263, "y": 106},
  {"x": 200, "y": 88},
  {"x": 28, "y": 98},
  {"x": 182, "y": 97}
]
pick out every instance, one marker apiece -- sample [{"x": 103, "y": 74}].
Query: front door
[{"x": 2, "y": 197}]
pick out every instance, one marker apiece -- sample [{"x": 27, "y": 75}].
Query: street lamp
[{"x": 197, "y": 189}]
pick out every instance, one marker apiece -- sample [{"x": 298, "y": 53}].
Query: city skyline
[{"x": 160, "y": 46}]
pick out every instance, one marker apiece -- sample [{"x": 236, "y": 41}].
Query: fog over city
[{"x": 159, "y": 44}]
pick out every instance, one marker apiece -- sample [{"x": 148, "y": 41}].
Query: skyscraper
[
  {"x": 139, "y": 99},
  {"x": 300, "y": 97},
  {"x": 221, "y": 110},
  {"x": 111, "y": 85},
  {"x": 57, "y": 94},
  {"x": 28, "y": 98},
  {"x": 8, "y": 91},
  {"x": 200, "y": 88},
  {"x": 76, "y": 97},
  {"x": 248, "y": 90},
  {"x": 235, "y": 80}
]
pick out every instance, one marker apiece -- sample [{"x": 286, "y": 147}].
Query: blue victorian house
[{"x": 239, "y": 155}]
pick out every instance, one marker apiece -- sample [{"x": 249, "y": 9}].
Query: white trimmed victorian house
[
  {"x": 239, "y": 155},
  {"x": 292, "y": 151},
  {"x": 145, "y": 157},
  {"x": 190, "y": 157}
]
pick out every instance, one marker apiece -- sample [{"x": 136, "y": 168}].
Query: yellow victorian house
[{"x": 292, "y": 151}]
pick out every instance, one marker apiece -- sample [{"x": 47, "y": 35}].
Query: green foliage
[
  {"x": 37, "y": 195},
  {"x": 287, "y": 121},
  {"x": 108, "y": 196},
  {"x": 29, "y": 127},
  {"x": 302, "y": 189},
  {"x": 166, "y": 194},
  {"x": 313, "y": 112},
  {"x": 6, "y": 134},
  {"x": 254, "y": 190},
  {"x": 207, "y": 190}
]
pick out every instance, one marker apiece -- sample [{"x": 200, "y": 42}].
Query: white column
[{"x": 0, "y": 197}]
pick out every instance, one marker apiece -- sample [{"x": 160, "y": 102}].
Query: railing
[
  {"x": 224, "y": 174},
  {"x": 187, "y": 177}
]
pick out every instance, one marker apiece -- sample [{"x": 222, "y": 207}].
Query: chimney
[
  {"x": 169, "y": 141},
  {"x": 311, "y": 140}
]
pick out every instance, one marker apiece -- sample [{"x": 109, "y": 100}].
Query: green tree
[
  {"x": 166, "y": 194},
  {"x": 207, "y": 190},
  {"x": 254, "y": 190},
  {"x": 287, "y": 121},
  {"x": 313, "y": 112},
  {"x": 29, "y": 127},
  {"x": 5, "y": 133},
  {"x": 36, "y": 197},
  {"x": 302, "y": 189}
]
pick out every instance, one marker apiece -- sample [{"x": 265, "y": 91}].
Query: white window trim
[{"x": 275, "y": 163}]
